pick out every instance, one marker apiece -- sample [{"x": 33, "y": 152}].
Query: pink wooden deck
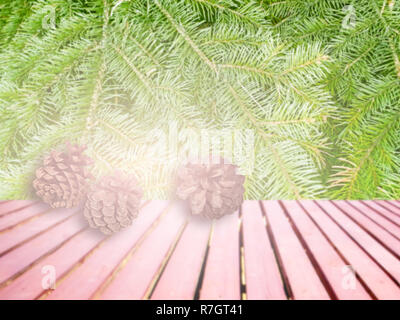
[{"x": 268, "y": 250}]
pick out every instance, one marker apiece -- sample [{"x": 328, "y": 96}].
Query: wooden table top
[{"x": 268, "y": 250}]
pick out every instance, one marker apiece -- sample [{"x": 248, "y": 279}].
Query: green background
[{"x": 316, "y": 81}]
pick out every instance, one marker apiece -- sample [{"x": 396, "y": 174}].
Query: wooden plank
[
  {"x": 19, "y": 216},
  {"x": 380, "y": 284},
  {"x": 328, "y": 259},
  {"x": 29, "y": 284},
  {"x": 222, "y": 273},
  {"x": 134, "y": 280},
  {"x": 173, "y": 272},
  {"x": 3, "y": 202},
  {"x": 374, "y": 248},
  {"x": 100, "y": 265},
  {"x": 384, "y": 212},
  {"x": 377, "y": 218},
  {"x": 375, "y": 230},
  {"x": 12, "y": 206},
  {"x": 387, "y": 205},
  {"x": 304, "y": 280},
  {"x": 263, "y": 280},
  {"x": 22, "y": 257},
  {"x": 181, "y": 275},
  {"x": 394, "y": 203},
  {"x": 10, "y": 239}
]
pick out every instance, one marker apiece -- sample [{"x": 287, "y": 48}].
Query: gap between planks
[
  {"x": 10, "y": 225},
  {"x": 38, "y": 260},
  {"x": 118, "y": 268},
  {"x": 86, "y": 260},
  {"x": 159, "y": 272},
  {"x": 361, "y": 242},
  {"x": 39, "y": 233}
]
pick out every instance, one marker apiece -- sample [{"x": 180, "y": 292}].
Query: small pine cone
[
  {"x": 212, "y": 190},
  {"x": 63, "y": 179},
  {"x": 113, "y": 203}
]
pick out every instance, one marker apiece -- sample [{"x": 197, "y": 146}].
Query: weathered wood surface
[{"x": 266, "y": 250}]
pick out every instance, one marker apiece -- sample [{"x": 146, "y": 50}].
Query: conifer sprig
[{"x": 321, "y": 97}]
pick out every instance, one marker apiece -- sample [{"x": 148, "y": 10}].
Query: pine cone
[
  {"x": 62, "y": 180},
  {"x": 212, "y": 190},
  {"x": 113, "y": 203}
]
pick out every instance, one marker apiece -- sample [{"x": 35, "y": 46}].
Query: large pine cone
[
  {"x": 113, "y": 203},
  {"x": 212, "y": 190},
  {"x": 63, "y": 179}
]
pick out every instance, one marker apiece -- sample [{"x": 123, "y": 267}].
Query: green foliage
[
  {"x": 321, "y": 99},
  {"x": 365, "y": 83}
]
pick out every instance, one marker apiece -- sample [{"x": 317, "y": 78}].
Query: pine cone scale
[
  {"x": 61, "y": 181},
  {"x": 212, "y": 191},
  {"x": 107, "y": 202}
]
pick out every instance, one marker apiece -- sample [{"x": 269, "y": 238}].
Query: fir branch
[{"x": 186, "y": 37}]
